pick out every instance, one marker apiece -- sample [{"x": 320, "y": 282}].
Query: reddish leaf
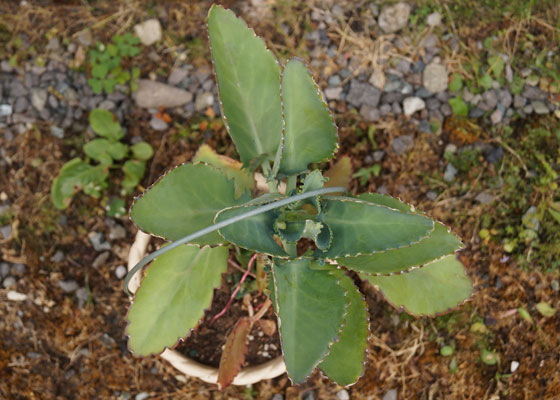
[
  {"x": 234, "y": 353},
  {"x": 340, "y": 174}
]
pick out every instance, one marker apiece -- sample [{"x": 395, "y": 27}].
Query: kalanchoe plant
[{"x": 278, "y": 121}]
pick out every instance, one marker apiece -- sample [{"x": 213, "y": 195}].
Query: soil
[{"x": 205, "y": 343}]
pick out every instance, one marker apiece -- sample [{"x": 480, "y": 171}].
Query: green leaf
[
  {"x": 545, "y": 309},
  {"x": 183, "y": 201},
  {"x": 104, "y": 123},
  {"x": 313, "y": 181},
  {"x": 310, "y": 133},
  {"x": 73, "y": 176},
  {"x": 105, "y": 151},
  {"x": 497, "y": 65},
  {"x": 459, "y": 106},
  {"x": 254, "y": 233},
  {"x": 116, "y": 208},
  {"x": 346, "y": 360},
  {"x": 133, "y": 173},
  {"x": 175, "y": 291},
  {"x": 311, "y": 307},
  {"x": 96, "y": 85},
  {"x": 244, "y": 181},
  {"x": 142, "y": 151},
  {"x": 249, "y": 84},
  {"x": 109, "y": 85},
  {"x": 489, "y": 357},
  {"x": 456, "y": 83},
  {"x": 387, "y": 201},
  {"x": 431, "y": 290},
  {"x": 516, "y": 86},
  {"x": 446, "y": 351},
  {"x": 360, "y": 227},
  {"x": 99, "y": 71},
  {"x": 485, "y": 81}
]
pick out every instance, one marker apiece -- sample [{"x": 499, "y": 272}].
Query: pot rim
[{"x": 269, "y": 370}]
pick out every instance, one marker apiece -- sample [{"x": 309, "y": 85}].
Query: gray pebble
[
  {"x": 404, "y": 67},
  {"x": 402, "y": 143},
  {"x": 83, "y": 296},
  {"x": 433, "y": 104},
  {"x": 397, "y": 109},
  {"x": 431, "y": 195},
  {"x": 53, "y": 101},
  {"x": 343, "y": 395},
  {"x": 101, "y": 259},
  {"x": 425, "y": 126},
  {"x": 120, "y": 272},
  {"x": 5, "y": 110},
  {"x": 533, "y": 93},
  {"x": 540, "y": 107},
  {"x": 423, "y": 93},
  {"x": 158, "y": 124},
  {"x": 21, "y": 105},
  {"x": 497, "y": 116},
  {"x": 476, "y": 112},
  {"x": 391, "y": 97},
  {"x": 9, "y": 282},
  {"x": 57, "y": 132},
  {"x": 390, "y": 395},
  {"x": 98, "y": 241},
  {"x": 333, "y": 93},
  {"x": 17, "y": 89},
  {"x": 6, "y": 67},
  {"x": 505, "y": 98},
  {"x": 378, "y": 155},
  {"x": 393, "y": 85},
  {"x": 203, "y": 100},
  {"x": 39, "y": 98},
  {"x": 334, "y": 81},
  {"x": 58, "y": 256},
  {"x": 6, "y": 231},
  {"x": 68, "y": 286},
  {"x": 4, "y": 269},
  {"x": 490, "y": 98},
  {"x": 18, "y": 269},
  {"x": 177, "y": 76},
  {"x": 484, "y": 198},
  {"x": 107, "y": 105},
  {"x": 362, "y": 93},
  {"x": 385, "y": 109},
  {"x": 450, "y": 172},
  {"x": 117, "y": 232},
  {"x": 369, "y": 113},
  {"x": 141, "y": 396}
]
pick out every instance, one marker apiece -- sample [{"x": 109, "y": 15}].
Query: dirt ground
[{"x": 53, "y": 347}]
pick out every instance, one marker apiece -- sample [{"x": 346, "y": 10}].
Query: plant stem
[
  {"x": 291, "y": 248},
  {"x": 245, "y": 275},
  {"x": 238, "y": 267},
  {"x": 272, "y": 185},
  {"x": 251, "y": 213},
  {"x": 291, "y": 183}
]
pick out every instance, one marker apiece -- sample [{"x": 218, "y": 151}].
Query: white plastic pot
[{"x": 246, "y": 376}]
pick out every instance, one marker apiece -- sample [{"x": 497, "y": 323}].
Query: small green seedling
[
  {"x": 102, "y": 154},
  {"x": 306, "y": 234},
  {"x": 107, "y": 64}
]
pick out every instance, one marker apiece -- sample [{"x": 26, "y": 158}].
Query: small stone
[
  {"x": 120, "y": 272},
  {"x": 378, "y": 155},
  {"x": 394, "y": 18},
  {"x": 54, "y": 44},
  {"x": 16, "y": 296},
  {"x": 497, "y": 116},
  {"x": 514, "y": 365},
  {"x": 58, "y": 256},
  {"x": 101, "y": 259},
  {"x": 5, "y": 110},
  {"x": 53, "y": 101},
  {"x": 4, "y": 270},
  {"x": 277, "y": 396},
  {"x": 505, "y": 98},
  {"x": 149, "y": 32},
  {"x": 343, "y": 395},
  {"x": 475, "y": 112},
  {"x": 423, "y": 93},
  {"x": 435, "y": 77},
  {"x": 177, "y": 75},
  {"x": 68, "y": 286},
  {"x": 413, "y": 104},
  {"x": 85, "y": 38},
  {"x": 450, "y": 172},
  {"x": 402, "y": 143},
  {"x": 528, "y": 109},
  {"x": 57, "y": 132},
  {"x": 362, "y": 93},
  {"x": 385, "y": 109},
  {"x": 6, "y": 231},
  {"x": 152, "y": 94},
  {"x": 494, "y": 155},
  {"x": 158, "y": 124},
  {"x": 6, "y": 67},
  {"x": 490, "y": 98},
  {"x": 203, "y": 101},
  {"x": 430, "y": 43},
  {"x": 334, "y": 81},
  {"x": 141, "y": 396},
  {"x": 9, "y": 282},
  {"x": 107, "y": 105},
  {"x": 18, "y": 269},
  {"x": 98, "y": 241},
  {"x": 431, "y": 195},
  {"x": 369, "y": 113},
  {"x": 397, "y": 109},
  {"x": 484, "y": 198},
  {"x": 21, "y": 105},
  {"x": 390, "y": 395},
  {"x": 83, "y": 296},
  {"x": 333, "y": 93},
  {"x": 404, "y": 66},
  {"x": 434, "y": 19},
  {"x": 393, "y": 85},
  {"x": 450, "y": 148},
  {"x": 425, "y": 126},
  {"x": 533, "y": 93},
  {"x": 117, "y": 232},
  {"x": 39, "y": 99},
  {"x": 433, "y": 104},
  {"x": 309, "y": 395},
  {"x": 539, "y": 107},
  {"x": 509, "y": 73}
]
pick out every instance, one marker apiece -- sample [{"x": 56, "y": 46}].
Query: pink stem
[{"x": 251, "y": 261}]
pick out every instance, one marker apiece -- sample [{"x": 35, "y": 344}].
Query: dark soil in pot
[{"x": 206, "y": 341}]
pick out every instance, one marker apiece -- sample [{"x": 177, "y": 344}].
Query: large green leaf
[
  {"x": 75, "y": 175},
  {"x": 184, "y": 201},
  {"x": 244, "y": 181},
  {"x": 441, "y": 242},
  {"x": 346, "y": 360},
  {"x": 360, "y": 227},
  {"x": 310, "y": 133},
  {"x": 254, "y": 233},
  {"x": 249, "y": 84},
  {"x": 311, "y": 307},
  {"x": 433, "y": 289},
  {"x": 175, "y": 291}
]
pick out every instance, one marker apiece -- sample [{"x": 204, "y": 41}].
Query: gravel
[
  {"x": 120, "y": 272},
  {"x": 69, "y": 286},
  {"x": 394, "y": 18},
  {"x": 158, "y": 124},
  {"x": 362, "y": 93},
  {"x": 413, "y": 104},
  {"x": 402, "y": 143},
  {"x": 9, "y": 282},
  {"x": 435, "y": 77},
  {"x": 149, "y": 32},
  {"x": 450, "y": 172},
  {"x": 152, "y": 94}
]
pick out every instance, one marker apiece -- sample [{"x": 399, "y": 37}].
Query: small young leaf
[
  {"x": 133, "y": 173},
  {"x": 485, "y": 81},
  {"x": 103, "y": 123},
  {"x": 234, "y": 353},
  {"x": 433, "y": 289},
  {"x": 99, "y": 71},
  {"x": 459, "y": 106},
  {"x": 497, "y": 65},
  {"x": 177, "y": 288},
  {"x": 446, "y": 351},
  {"x": 489, "y": 357},
  {"x": 456, "y": 83},
  {"x": 109, "y": 85},
  {"x": 311, "y": 307},
  {"x": 142, "y": 151},
  {"x": 545, "y": 309},
  {"x": 523, "y": 313},
  {"x": 310, "y": 134},
  {"x": 96, "y": 85},
  {"x": 116, "y": 208}
]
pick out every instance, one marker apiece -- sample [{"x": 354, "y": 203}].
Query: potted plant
[{"x": 309, "y": 238}]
